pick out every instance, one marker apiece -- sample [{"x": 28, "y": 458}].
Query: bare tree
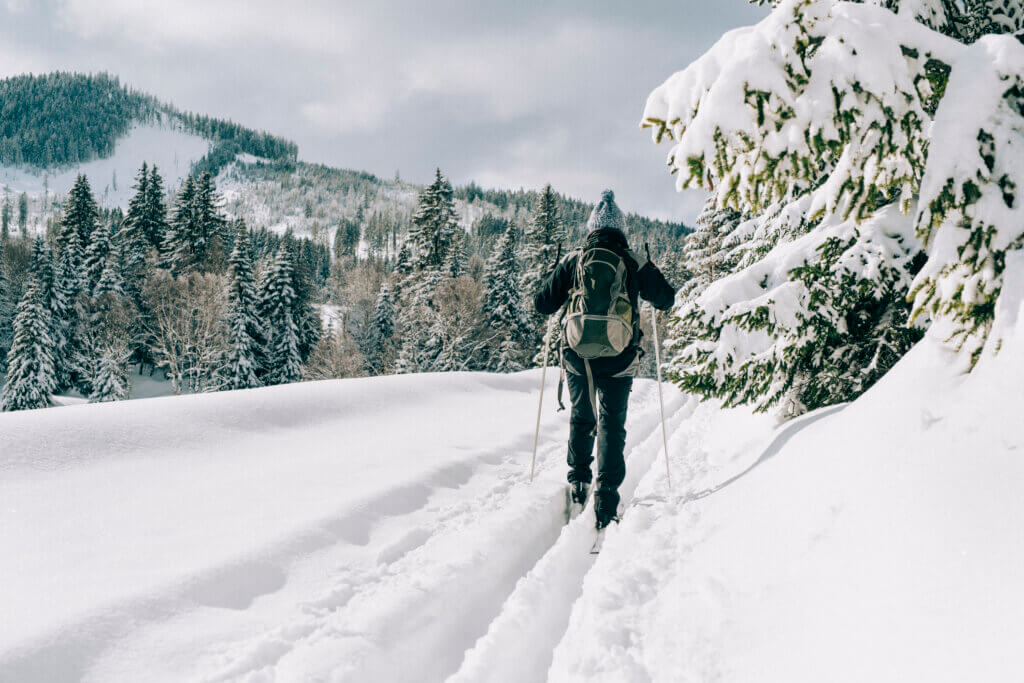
[{"x": 186, "y": 328}]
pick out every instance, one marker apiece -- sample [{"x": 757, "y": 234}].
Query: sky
[{"x": 508, "y": 94}]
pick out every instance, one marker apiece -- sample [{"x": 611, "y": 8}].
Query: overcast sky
[{"x": 510, "y": 94}]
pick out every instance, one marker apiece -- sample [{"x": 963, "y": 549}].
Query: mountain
[{"x": 57, "y": 125}]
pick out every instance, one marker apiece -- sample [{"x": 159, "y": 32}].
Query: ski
[{"x": 598, "y": 542}]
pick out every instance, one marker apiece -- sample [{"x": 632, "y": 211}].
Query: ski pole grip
[{"x": 647, "y": 248}]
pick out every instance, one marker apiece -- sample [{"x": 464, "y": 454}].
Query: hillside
[
  {"x": 306, "y": 532},
  {"x": 57, "y": 125}
]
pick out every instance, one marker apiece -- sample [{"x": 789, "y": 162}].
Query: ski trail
[
  {"x": 520, "y": 641},
  {"x": 398, "y": 598}
]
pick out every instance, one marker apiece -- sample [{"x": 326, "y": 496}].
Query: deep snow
[{"x": 385, "y": 529}]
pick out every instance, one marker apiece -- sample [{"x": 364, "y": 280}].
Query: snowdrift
[{"x": 384, "y": 529}]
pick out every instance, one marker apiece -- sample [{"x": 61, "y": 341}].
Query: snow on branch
[
  {"x": 819, "y": 96},
  {"x": 971, "y": 213}
]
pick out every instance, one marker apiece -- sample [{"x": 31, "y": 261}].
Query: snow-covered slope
[
  {"x": 385, "y": 529},
  {"x": 171, "y": 149}
]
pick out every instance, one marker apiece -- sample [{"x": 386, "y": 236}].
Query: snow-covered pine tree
[
  {"x": 971, "y": 208},
  {"x": 243, "y": 357},
  {"x": 133, "y": 240},
  {"x": 196, "y": 235},
  {"x": 277, "y": 298},
  {"x": 433, "y": 225},
  {"x": 23, "y": 214},
  {"x": 81, "y": 215},
  {"x": 813, "y": 122},
  {"x": 64, "y": 312},
  {"x": 6, "y": 209},
  {"x": 111, "y": 382},
  {"x": 817, "y": 122},
  {"x": 502, "y": 306},
  {"x": 99, "y": 253},
  {"x": 30, "y": 378},
  {"x": 456, "y": 259},
  {"x": 305, "y": 315},
  {"x": 154, "y": 216},
  {"x": 175, "y": 243},
  {"x": 379, "y": 343},
  {"x": 540, "y": 246},
  {"x": 6, "y": 309},
  {"x": 707, "y": 256}
]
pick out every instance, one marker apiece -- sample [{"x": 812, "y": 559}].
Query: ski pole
[
  {"x": 543, "y": 375},
  {"x": 661, "y": 397}
]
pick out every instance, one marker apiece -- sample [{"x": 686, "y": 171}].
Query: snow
[
  {"x": 385, "y": 529},
  {"x": 171, "y": 149}
]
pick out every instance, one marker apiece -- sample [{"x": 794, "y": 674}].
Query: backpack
[{"x": 599, "y": 316}]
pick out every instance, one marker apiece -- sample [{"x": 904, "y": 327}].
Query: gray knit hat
[{"x": 606, "y": 214}]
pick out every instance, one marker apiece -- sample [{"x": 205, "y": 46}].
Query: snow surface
[
  {"x": 385, "y": 529},
  {"x": 171, "y": 149}
]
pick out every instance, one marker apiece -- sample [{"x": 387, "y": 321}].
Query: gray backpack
[{"x": 599, "y": 316}]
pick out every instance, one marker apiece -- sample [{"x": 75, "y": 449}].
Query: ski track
[
  {"x": 520, "y": 642},
  {"x": 468, "y": 575}
]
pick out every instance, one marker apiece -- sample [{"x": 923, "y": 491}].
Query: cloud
[
  {"x": 507, "y": 94},
  {"x": 302, "y": 25}
]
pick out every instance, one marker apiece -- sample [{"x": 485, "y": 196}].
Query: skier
[{"x": 599, "y": 284}]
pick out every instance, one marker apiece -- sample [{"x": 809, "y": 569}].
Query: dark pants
[{"x": 613, "y": 400}]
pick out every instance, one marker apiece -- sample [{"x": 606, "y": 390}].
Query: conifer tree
[
  {"x": 30, "y": 374},
  {"x": 133, "y": 241},
  {"x": 5, "y": 216},
  {"x": 111, "y": 381},
  {"x": 540, "y": 246},
  {"x": 6, "y": 309},
  {"x": 176, "y": 244},
  {"x": 707, "y": 257},
  {"x": 154, "y": 215},
  {"x": 64, "y": 313},
  {"x": 243, "y": 356},
  {"x": 502, "y": 305},
  {"x": 384, "y": 314},
  {"x": 433, "y": 225},
  {"x": 277, "y": 299},
  {"x": 23, "y": 213},
  {"x": 81, "y": 216},
  {"x": 98, "y": 255},
  {"x": 378, "y": 342}
]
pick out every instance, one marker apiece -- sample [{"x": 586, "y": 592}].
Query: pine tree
[
  {"x": 64, "y": 313},
  {"x": 502, "y": 305},
  {"x": 707, "y": 257},
  {"x": 540, "y": 246},
  {"x": 277, "y": 299},
  {"x": 196, "y": 236},
  {"x": 243, "y": 356},
  {"x": 5, "y": 216},
  {"x": 6, "y": 310},
  {"x": 81, "y": 216},
  {"x": 30, "y": 374},
  {"x": 98, "y": 255},
  {"x": 133, "y": 241},
  {"x": 384, "y": 314},
  {"x": 154, "y": 215},
  {"x": 175, "y": 245},
  {"x": 433, "y": 225},
  {"x": 23, "y": 213},
  {"x": 111, "y": 381},
  {"x": 378, "y": 343}
]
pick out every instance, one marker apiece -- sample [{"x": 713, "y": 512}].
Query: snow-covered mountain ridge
[{"x": 385, "y": 529}]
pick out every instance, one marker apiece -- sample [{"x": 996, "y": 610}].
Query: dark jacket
[{"x": 642, "y": 282}]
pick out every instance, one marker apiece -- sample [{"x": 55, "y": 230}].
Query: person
[{"x": 611, "y": 377}]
